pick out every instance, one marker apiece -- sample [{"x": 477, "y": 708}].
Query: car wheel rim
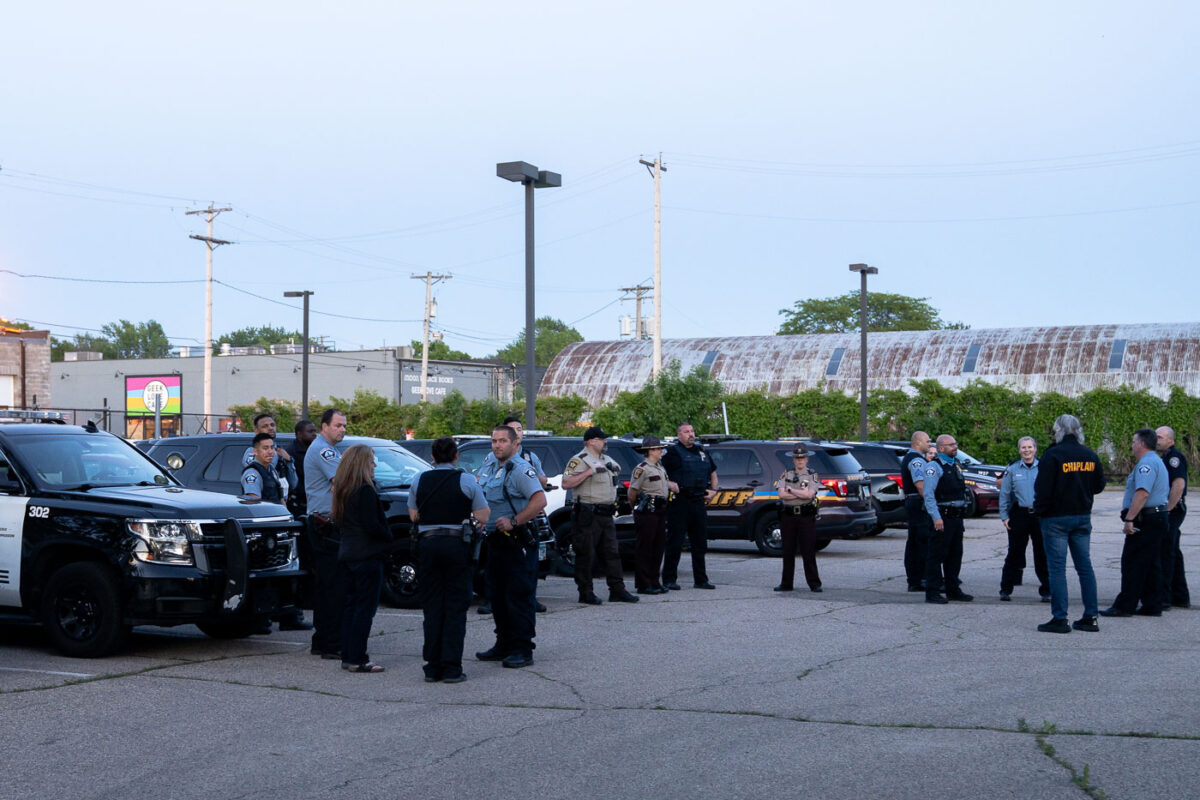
[
  {"x": 78, "y": 613},
  {"x": 403, "y": 580}
]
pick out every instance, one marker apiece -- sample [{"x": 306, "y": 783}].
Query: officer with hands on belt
[
  {"x": 945, "y": 501},
  {"x": 320, "y": 465},
  {"x": 1174, "y": 579},
  {"x": 1016, "y": 514},
  {"x": 798, "y": 489},
  {"x": 649, "y": 489},
  {"x": 1144, "y": 510},
  {"x": 592, "y": 476},
  {"x": 912, "y": 473},
  {"x": 485, "y": 468},
  {"x": 688, "y": 465},
  {"x": 440, "y": 502},
  {"x": 514, "y": 496}
]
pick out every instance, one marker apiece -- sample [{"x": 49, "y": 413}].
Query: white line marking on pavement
[{"x": 49, "y": 672}]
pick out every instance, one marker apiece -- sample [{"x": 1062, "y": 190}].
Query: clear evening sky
[{"x": 1019, "y": 163}]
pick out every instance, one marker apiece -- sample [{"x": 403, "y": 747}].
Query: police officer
[
  {"x": 320, "y": 465},
  {"x": 945, "y": 501},
  {"x": 515, "y": 497},
  {"x": 649, "y": 489},
  {"x": 689, "y": 466},
  {"x": 1174, "y": 579},
  {"x": 1016, "y": 515},
  {"x": 1144, "y": 510},
  {"x": 798, "y": 520},
  {"x": 306, "y": 432},
  {"x": 912, "y": 472},
  {"x": 485, "y": 468},
  {"x": 439, "y": 502},
  {"x": 592, "y": 476},
  {"x": 282, "y": 462},
  {"x": 259, "y": 479}
]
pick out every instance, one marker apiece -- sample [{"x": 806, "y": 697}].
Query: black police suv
[
  {"x": 746, "y": 505},
  {"x": 96, "y": 538},
  {"x": 887, "y": 489},
  {"x": 214, "y": 462}
]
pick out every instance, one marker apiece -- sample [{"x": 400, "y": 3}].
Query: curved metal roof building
[{"x": 1069, "y": 360}]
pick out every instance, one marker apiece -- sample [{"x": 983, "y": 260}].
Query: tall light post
[
  {"x": 533, "y": 178},
  {"x": 864, "y": 271},
  {"x": 304, "y": 359}
]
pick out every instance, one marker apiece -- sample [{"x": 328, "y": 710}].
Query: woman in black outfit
[{"x": 366, "y": 539}]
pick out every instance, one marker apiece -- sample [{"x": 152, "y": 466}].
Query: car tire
[
  {"x": 81, "y": 610},
  {"x": 879, "y": 526},
  {"x": 767, "y": 536},
  {"x": 400, "y": 586},
  {"x": 973, "y": 506},
  {"x": 228, "y": 629},
  {"x": 822, "y": 544}
]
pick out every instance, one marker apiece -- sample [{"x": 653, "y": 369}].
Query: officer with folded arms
[
  {"x": 946, "y": 503},
  {"x": 592, "y": 475},
  {"x": 1144, "y": 510},
  {"x": 649, "y": 489}
]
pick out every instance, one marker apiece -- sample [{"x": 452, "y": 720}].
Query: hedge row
[{"x": 986, "y": 419}]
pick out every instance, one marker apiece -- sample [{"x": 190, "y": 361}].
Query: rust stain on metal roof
[{"x": 1069, "y": 360}]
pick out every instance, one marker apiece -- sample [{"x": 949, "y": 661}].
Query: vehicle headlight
[{"x": 165, "y": 541}]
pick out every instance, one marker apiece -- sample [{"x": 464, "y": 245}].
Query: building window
[
  {"x": 972, "y": 357},
  {"x": 1118, "y": 355},
  {"x": 835, "y": 361}
]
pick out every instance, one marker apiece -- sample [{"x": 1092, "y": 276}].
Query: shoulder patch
[
  {"x": 930, "y": 471},
  {"x": 250, "y": 478},
  {"x": 1144, "y": 469},
  {"x": 531, "y": 472},
  {"x": 573, "y": 463},
  {"x": 1174, "y": 462},
  {"x": 329, "y": 454},
  {"x": 637, "y": 472}
]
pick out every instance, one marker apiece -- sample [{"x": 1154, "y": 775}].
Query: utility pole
[
  {"x": 639, "y": 332},
  {"x": 211, "y": 245},
  {"x": 656, "y": 170},
  {"x": 430, "y": 279}
]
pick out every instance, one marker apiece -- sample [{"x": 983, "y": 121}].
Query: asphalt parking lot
[{"x": 861, "y": 691}]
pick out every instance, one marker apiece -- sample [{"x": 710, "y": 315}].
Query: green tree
[
  {"x": 660, "y": 406},
  {"x": 252, "y": 336},
  {"x": 440, "y": 351},
  {"x": 137, "y": 340},
  {"x": 549, "y": 335},
  {"x": 885, "y": 312}
]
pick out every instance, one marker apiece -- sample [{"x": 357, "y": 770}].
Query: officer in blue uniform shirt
[
  {"x": 1016, "y": 514},
  {"x": 945, "y": 502},
  {"x": 912, "y": 475},
  {"x": 515, "y": 496},
  {"x": 488, "y": 465},
  {"x": 259, "y": 479},
  {"x": 1144, "y": 510},
  {"x": 1174, "y": 577},
  {"x": 281, "y": 462},
  {"x": 320, "y": 465}
]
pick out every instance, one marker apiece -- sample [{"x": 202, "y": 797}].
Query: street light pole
[
  {"x": 533, "y": 178},
  {"x": 864, "y": 271},
  {"x": 304, "y": 358}
]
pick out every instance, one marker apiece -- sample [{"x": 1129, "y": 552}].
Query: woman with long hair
[{"x": 366, "y": 539}]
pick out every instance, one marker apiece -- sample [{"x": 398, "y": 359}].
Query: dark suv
[
  {"x": 887, "y": 490},
  {"x": 746, "y": 506},
  {"x": 982, "y": 479},
  {"x": 96, "y": 538}
]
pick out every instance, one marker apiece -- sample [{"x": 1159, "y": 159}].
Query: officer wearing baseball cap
[{"x": 592, "y": 476}]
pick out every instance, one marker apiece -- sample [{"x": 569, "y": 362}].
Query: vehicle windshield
[
  {"x": 395, "y": 467},
  {"x": 85, "y": 462},
  {"x": 968, "y": 459}
]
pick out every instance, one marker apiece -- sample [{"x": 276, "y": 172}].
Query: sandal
[{"x": 367, "y": 667}]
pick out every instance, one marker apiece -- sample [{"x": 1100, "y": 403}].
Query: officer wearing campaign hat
[
  {"x": 798, "y": 489},
  {"x": 592, "y": 475},
  {"x": 649, "y": 489}
]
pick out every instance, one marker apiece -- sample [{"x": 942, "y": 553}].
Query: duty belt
[
  {"x": 606, "y": 509},
  {"x": 803, "y": 510},
  {"x": 1153, "y": 509},
  {"x": 439, "y": 530}
]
